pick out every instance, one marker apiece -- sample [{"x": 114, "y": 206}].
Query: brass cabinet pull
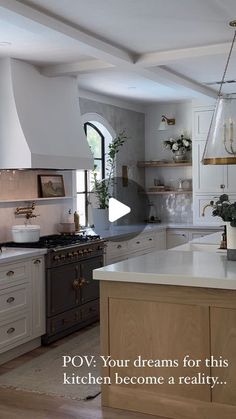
[
  {"x": 37, "y": 261},
  {"x": 11, "y": 330},
  {"x": 76, "y": 284},
  {"x": 83, "y": 282},
  {"x": 10, "y": 273},
  {"x": 10, "y": 300}
]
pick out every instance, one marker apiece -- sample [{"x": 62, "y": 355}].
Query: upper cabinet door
[
  {"x": 201, "y": 122},
  {"x": 207, "y": 179}
]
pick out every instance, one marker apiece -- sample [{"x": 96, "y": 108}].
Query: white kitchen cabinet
[
  {"x": 177, "y": 237},
  {"x": 209, "y": 181},
  {"x": 209, "y": 178},
  {"x": 199, "y": 203},
  {"x": 14, "y": 331},
  {"x": 38, "y": 296},
  {"x": 143, "y": 243},
  {"x": 22, "y": 302},
  {"x": 202, "y": 116},
  {"x": 14, "y": 273}
]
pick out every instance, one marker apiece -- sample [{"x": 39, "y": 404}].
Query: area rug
[{"x": 45, "y": 373}]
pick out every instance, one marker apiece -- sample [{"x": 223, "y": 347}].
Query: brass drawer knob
[
  {"x": 11, "y": 330},
  {"x": 10, "y": 300},
  {"x": 10, "y": 273}
]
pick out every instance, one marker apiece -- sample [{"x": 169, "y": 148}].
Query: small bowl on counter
[{"x": 25, "y": 233}]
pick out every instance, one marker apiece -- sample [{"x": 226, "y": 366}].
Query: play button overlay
[
  {"x": 128, "y": 208},
  {"x": 117, "y": 210}
]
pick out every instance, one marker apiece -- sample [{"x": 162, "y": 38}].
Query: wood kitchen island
[{"x": 171, "y": 316}]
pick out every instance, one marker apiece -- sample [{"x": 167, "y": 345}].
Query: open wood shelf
[{"x": 156, "y": 163}]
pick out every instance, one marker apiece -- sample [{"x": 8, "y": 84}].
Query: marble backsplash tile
[{"x": 174, "y": 208}]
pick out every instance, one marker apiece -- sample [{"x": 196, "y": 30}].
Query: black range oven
[{"x": 72, "y": 297}]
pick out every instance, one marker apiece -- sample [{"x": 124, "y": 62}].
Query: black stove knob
[
  {"x": 90, "y": 249},
  {"x": 85, "y": 251},
  {"x": 81, "y": 252},
  {"x": 75, "y": 253},
  {"x": 63, "y": 256},
  {"x": 56, "y": 258},
  {"x": 70, "y": 255}
]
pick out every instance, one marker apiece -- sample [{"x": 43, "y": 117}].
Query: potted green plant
[
  {"x": 179, "y": 147},
  {"x": 226, "y": 210},
  {"x": 103, "y": 188}
]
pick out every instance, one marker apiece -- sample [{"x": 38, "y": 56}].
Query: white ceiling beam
[
  {"x": 153, "y": 59},
  {"x": 169, "y": 78},
  {"x": 86, "y": 66},
  {"x": 103, "y": 50},
  {"x": 94, "y": 46}
]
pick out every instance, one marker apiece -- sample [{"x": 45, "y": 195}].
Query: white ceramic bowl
[{"x": 25, "y": 234}]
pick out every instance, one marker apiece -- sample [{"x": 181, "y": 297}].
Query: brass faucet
[
  {"x": 27, "y": 211},
  {"x": 211, "y": 204}
]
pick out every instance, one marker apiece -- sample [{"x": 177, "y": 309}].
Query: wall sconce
[{"x": 165, "y": 122}]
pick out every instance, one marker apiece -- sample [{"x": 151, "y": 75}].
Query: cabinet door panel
[
  {"x": 201, "y": 122},
  {"x": 223, "y": 344},
  {"x": 89, "y": 287},
  {"x": 230, "y": 179},
  {"x": 62, "y": 291},
  {"x": 206, "y": 178},
  {"x": 160, "y": 331}
]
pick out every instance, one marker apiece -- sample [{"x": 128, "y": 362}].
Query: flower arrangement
[
  {"x": 225, "y": 209},
  {"x": 180, "y": 144}
]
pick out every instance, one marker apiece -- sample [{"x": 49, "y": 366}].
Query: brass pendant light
[{"x": 221, "y": 140}]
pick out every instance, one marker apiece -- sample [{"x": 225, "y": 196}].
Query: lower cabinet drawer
[
  {"x": 70, "y": 318},
  {"x": 14, "y": 298},
  {"x": 11, "y": 274},
  {"x": 14, "y": 331},
  {"x": 90, "y": 310}
]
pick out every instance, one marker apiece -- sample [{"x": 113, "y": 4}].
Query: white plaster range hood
[{"x": 40, "y": 122}]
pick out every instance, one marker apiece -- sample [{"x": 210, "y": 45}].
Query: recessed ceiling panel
[
  {"x": 130, "y": 86},
  {"x": 151, "y": 25}
]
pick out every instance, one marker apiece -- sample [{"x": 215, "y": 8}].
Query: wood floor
[{"x": 24, "y": 405}]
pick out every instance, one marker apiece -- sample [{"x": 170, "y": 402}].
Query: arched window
[
  {"x": 96, "y": 142},
  {"x": 84, "y": 182}
]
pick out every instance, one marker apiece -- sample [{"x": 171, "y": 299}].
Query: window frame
[{"x": 86, "y": 192}]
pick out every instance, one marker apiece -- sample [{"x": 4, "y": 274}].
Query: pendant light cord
[{"x": 227, "y": 63}]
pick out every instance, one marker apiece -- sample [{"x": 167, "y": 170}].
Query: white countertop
[
  {"x": 12, "y": 254},
  {"x": 195, "y": 269},
  {"x": 123, "y": 230}
]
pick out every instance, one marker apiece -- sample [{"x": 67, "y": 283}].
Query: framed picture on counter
[{"x": 51, "y": 186}]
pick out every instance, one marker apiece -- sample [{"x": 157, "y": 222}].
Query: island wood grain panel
[
  {"x": 171, "y": 293},
  {"x": 223, "y": 344},
  {"x": 143, "y": 400},
  {"x": 160, "y": 331}
]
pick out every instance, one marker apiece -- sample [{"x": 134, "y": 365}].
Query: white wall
[{"x": 19, "y": 188}]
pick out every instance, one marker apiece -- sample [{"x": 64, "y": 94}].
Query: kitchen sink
[{"x": 197, "y": 247}]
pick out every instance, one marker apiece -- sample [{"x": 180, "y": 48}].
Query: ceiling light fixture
[
  {"x": 220, "y": 146},
  {"x": 165, "y": 122}
]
